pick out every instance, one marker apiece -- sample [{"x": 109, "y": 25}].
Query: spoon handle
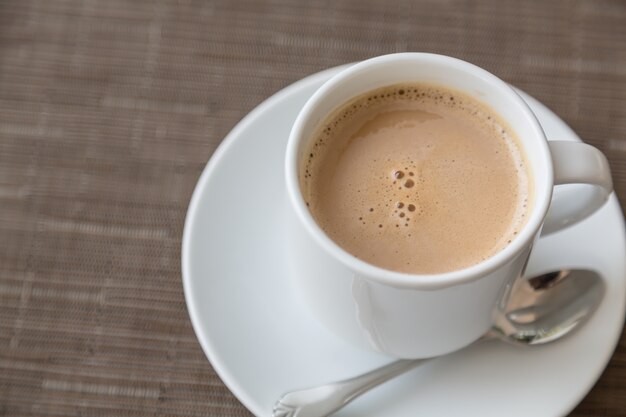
[{"x": 324, "y": 400}]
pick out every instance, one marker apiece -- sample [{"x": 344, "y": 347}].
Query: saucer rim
[{"x": 194, "y": 208}]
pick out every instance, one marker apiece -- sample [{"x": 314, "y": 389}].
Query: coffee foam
[{"x": 416, "y": 178}]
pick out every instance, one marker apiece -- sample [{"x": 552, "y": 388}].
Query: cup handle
[{"x": 577, "y": 163}]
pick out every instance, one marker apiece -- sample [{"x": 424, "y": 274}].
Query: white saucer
[{"x": 262, "y": 342}]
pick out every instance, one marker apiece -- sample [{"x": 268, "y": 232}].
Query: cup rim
[{"x": 403, "y": 279}]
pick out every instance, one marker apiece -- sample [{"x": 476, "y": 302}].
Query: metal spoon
[{"x": 540, "y": 310}]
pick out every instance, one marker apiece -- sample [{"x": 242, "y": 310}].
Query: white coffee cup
[{"x": 410, "y": 315}]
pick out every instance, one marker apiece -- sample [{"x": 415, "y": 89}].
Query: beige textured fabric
[{"x": 109, "y": 110}]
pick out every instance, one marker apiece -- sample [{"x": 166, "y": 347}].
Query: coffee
[{"x": 417, "y": 178}]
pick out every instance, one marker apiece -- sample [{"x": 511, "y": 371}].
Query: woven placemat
[{"x": 109, "y": 110}]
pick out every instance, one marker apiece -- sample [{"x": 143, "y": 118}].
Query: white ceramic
[
  {"x": 417, "y": 316},
  {"x": 263, "y": 342}
]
